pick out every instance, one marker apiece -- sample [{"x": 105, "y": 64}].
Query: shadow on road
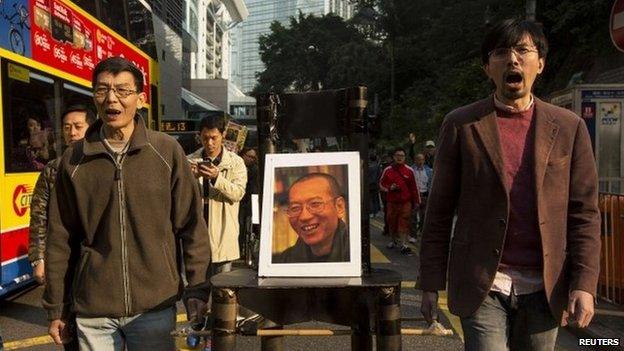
[{"x": 23, "y": 312}]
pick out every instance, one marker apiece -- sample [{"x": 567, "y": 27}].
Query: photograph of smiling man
[
  {"x": 310, "y": 215},
  {"x": 311, "y": 227}
]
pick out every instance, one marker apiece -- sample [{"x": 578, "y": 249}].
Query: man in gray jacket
[{"x": 124, "y": 212}]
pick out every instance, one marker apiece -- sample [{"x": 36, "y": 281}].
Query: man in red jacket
[{"x": 399, "y": 184}]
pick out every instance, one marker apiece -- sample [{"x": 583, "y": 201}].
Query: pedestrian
[
  {"x": 386, "y": 160},
  {"x": 250, "y": 157},
  {"x": 374, "y": 173},
  {"x": 399, "y": 185},
  {"x": 221, "y": 178},
  {"x": 76, "y": 119},
  {"x": 424, "y": 176},
  {"x": 520, "y": 174},
  {"x": 124, "y": 212},
  {"x": 430, "y": 150},
  {"x": 412, "y": 148}
]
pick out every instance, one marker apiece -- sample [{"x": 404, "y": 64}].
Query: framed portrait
[{"x": 310, "y": 220}]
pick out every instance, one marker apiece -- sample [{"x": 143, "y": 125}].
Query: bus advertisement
[{"x": 48, "y": 49}]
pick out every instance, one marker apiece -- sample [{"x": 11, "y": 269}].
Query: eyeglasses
[
  {"x": 399, "y": 155},
  {"x": 314, "y": 207},
  {"x": 521, "y": 51},
  {"x": 122, "y": 93}
]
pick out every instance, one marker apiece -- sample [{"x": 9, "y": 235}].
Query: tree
[
  {"x": 300, "y": 57},
  {"x": 423, "y": 57}
]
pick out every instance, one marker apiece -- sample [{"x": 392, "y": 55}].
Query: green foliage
[
  {"x": 316, "y": 53},
  {"x": 435, "y": 48}
]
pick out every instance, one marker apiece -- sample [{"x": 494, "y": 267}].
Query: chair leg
[
  {"x": 389, "y": 320},
  {"x": 361, "y": 335},
  {"x": 272, "y": 343},
  {"x": 225, "y": 309}
]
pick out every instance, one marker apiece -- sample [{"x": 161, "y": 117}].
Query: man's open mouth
[
  {"x": 513, "y": 78},
  {"x": 309, "y": 228},
  {"x": 112, "y": 113}
]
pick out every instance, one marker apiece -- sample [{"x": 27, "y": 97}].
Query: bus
[{"x": 48, "y": 49}]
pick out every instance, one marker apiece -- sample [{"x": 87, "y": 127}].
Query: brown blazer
[{"x": 468, "y": 181}]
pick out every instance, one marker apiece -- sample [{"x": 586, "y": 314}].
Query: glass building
[{"x": 246, "y": 56}]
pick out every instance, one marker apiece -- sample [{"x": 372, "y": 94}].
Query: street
[{"x": 23, "y": 325}]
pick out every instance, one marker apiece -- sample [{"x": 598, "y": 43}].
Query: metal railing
[
  {"x": 612, "y": 185},
  {"x": 611, "y": 281}
]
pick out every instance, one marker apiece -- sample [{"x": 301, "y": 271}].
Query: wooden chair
[{"x": 367, "y": 306}]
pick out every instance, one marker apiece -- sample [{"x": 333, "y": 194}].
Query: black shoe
[{"x": 406, "y": 251}]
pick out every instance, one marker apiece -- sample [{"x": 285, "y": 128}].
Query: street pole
[
  {"x": 392, "y": 76},
  {"x": 530, "y": 10}
]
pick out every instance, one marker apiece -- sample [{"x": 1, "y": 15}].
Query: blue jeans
[
  {"x": 504, "y": 322},
  {"x": 145, "y": 331}
]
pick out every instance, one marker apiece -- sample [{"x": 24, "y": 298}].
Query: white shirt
[{"x": 421, "y": 178}]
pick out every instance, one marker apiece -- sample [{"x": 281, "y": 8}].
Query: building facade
[
  {"x": 209, "y": 23},
  {"x": 246, "y": 58}
]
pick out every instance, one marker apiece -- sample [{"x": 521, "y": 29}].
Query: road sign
[{"x": 616, "y": 24}]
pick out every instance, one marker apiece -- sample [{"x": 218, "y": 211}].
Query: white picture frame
[{"x": 277, "y": 221}]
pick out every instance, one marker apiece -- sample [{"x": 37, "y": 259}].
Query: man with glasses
[
  {"x": 519, "y": 174},
  {"x": 124, "y": 213},
  {"x": 316, "y": 211},
  {"x": 399, "y": 184}
]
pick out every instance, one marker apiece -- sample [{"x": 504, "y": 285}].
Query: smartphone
[{"x": 207, "y": 162}]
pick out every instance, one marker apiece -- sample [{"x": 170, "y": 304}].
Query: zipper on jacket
[{"x": 122, "y": 224}]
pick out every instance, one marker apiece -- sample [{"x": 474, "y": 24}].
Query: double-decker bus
[{"x": 48, "y": 49}]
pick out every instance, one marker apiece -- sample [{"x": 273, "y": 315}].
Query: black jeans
[{"x": 504, "y": 322}]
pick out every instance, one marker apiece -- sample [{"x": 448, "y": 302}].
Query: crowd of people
[
  {"x": 401, "y": 181},
  {"x": 506, "y": 207}
]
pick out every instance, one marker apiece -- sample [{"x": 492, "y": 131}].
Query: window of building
[
  {"x": 87, "y": 5},
  {"x": 113, "y": 13},
  {"x": 193, "y": 23},
  {"x": 141, "y": 28}
]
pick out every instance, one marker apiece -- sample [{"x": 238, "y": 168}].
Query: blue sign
[
  {"x": 602, "y": 94},
  {"x": 15, "y": 26}
]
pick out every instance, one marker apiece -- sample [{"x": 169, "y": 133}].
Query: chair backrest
[{"x": 286, "y": 118}]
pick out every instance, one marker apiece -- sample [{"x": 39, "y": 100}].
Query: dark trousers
[
  {"x": 385, "y": 213},
  {"x": 503, "y": 322},
  {"x": 374, "y": 205},
  {"x": 418, "y": 216},
  {"x": 73, "y": 344},
  {"x": 421, "y": 211}
]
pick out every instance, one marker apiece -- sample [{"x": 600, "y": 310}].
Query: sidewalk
[{"x": 608, "y": 322}]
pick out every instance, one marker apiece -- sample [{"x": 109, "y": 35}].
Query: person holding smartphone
[{"x": 222, "y": 177}]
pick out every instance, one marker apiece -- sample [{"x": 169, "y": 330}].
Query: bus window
[
  {"x": 28, "y": 118},
  {"x": 73, "y": 95}
]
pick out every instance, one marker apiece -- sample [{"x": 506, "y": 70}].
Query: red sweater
[
  {"x": 523, "y": 247},
  {"x": 404, "y": 178}
]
